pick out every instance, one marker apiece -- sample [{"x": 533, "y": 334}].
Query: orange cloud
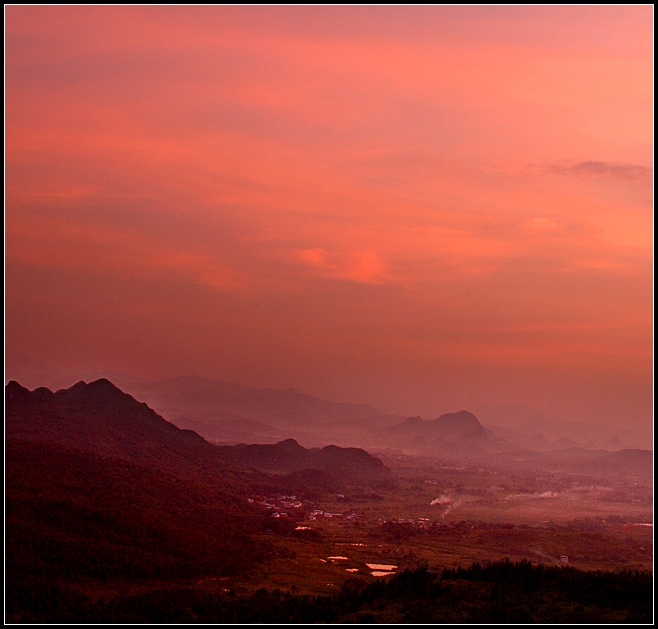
[{"x": 365, "y": 267}]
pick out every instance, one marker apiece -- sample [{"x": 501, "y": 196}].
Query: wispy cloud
[{"x": 595, "y": 168}]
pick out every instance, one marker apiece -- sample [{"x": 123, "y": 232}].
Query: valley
[
  {"x": 329, "y": 314},
  {"x": 401, "y": 527},
  {"x": 108, "y": 505}
]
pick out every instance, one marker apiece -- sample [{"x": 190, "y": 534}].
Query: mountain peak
[
  {"x": 15, "y": 392},
  {"x": 100, "y": 418},
  {"x": 289, "y": 444},
  {"x": 98, "y": 394},
  {"x": 457, "y": 430},
  {"x": 461, "y": 419},
  {"x": 14, "y": 387},
  {"x": 103, "y": 384}
]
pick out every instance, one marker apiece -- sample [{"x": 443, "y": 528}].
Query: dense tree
[{"x": 495, "y": 593}]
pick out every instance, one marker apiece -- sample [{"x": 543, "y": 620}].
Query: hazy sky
[{"x": 422, "y": 208}]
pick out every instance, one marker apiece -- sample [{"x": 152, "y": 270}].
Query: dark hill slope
[
  {"x": 288, "y": 456},
  {"x": 98, "y": 417},
  {"x": 99, "y": 486},
  {"x": 74, "y": 514}
]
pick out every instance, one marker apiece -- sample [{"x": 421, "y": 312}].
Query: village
[{"x": 294, "y": 509}]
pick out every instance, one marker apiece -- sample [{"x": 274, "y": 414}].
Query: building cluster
[
  {"x": 441, "y": 525},
  {"x": 291, "y": 507},
  {"x": 279, "y": 506},
  {"x": 417, "y": 522},
  {"x": 318, "y": 514}
]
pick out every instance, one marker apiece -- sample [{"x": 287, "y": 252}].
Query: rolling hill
[{"x": 348, "y": 464}]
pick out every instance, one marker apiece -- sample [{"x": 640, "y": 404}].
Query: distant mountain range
[
  {"x": 538, "y": 430},
  {"x": 456, "y": 434},
  {"x": 623, "y": 463},
  {"x": 229, "y": 414},
  {"x": 100, "y": 418}
]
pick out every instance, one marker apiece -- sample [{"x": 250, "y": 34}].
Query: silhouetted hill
[
  {"x": 451, "y": 425},
  {"x": 202, "y": 398},
  {"x": 72, "y": 514},
  {"x": 98, "y": 417},
  {"x": 288, "y": 456},
  {"x": 230, "y": 413},
  {"x": 458, "y": 434}
]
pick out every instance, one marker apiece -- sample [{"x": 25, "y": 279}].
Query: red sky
[{"x": 423, "y": 208}]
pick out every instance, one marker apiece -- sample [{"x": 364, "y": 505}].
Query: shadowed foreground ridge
[
  {"x": 502, "y": 592},
  {"x": 98, "y": 417}
]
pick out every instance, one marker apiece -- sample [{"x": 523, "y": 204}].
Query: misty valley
[
  {"x": 329, "y": 314},
  {"x": 231, "y": 504}
]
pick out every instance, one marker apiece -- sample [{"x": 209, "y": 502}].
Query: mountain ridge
[
  {"x": 98, "y": 417},
  {"x": 290, "y": 456}
]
